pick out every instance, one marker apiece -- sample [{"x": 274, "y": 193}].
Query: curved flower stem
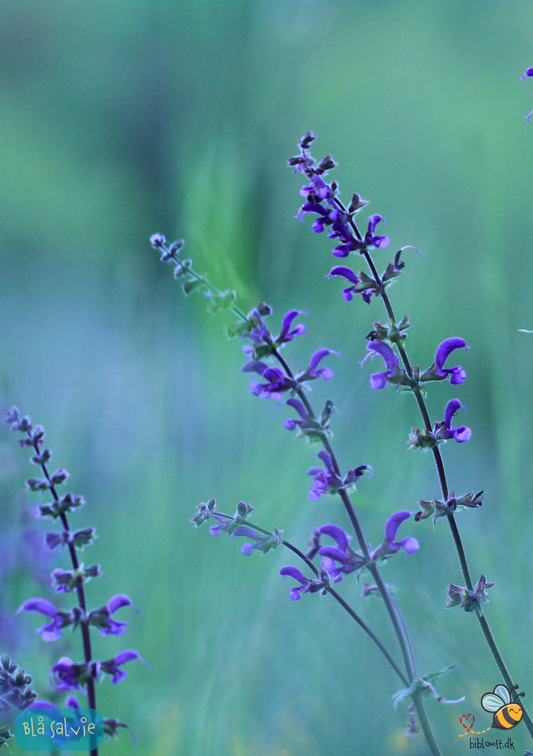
[
  {"x": 355, "y": 523},
  {"x": 372, "y": 567},
  {"x": 461, "y": 554},
  {"x": 336, "y": 596},
  {"x": 86, "y": 638}
]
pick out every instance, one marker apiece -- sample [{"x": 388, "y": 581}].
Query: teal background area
[{"x": 121, "y": 118}]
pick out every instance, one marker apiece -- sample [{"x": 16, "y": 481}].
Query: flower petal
[
  {"x": 446, "y": 347},
  {"x": 453, "y": 406},
  {"x": 410, "y": 544},
  {"x": 118, "y": 601},
  {"x": 338, "y": 534},
  {"x": 40, "y": 605},
  {"x": 319, "y": 355},
  {"x": 341, "y": 270},
  {"x": 394, "y": 522},
  {"x": 298, "y": 406},
  {"x": 293, "y": 572}
]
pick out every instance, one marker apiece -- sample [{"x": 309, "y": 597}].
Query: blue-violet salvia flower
[
  {"x": 299, "y": 406},
  {"x": 263, "y": 543},
  {"x": 263, "y": 343},
  {"x": 457, "y": 374},
  {"x": 101, "y": 618},
  {"x": 306, "y": 584},
  {"x": 276, "y": 384},
  {"x": 390, "y": 545},
  {"x": 329, "y": 481},
  {"x": 371, "y": 238},
  {"x": 350, "y": 291},
  {"x": 52, "y": 630},
  {"x": 459, "y": 434},
  {"x": 313, "y": 371},
  {"x": 349, "y": 559},
  {"x": 379, "y": 380},
  {"x": 286, "y": 334}
]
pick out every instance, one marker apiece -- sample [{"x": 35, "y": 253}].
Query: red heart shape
[{"x": 467, "y": 717}]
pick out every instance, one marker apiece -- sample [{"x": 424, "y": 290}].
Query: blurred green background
[{"x": 119, "y": 119}]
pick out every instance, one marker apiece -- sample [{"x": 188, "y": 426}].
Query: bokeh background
[{"x": 119, "y": 119}]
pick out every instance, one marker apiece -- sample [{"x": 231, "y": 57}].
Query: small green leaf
[
  {"x": 435, "y": 675},
  {"x": 190, "y": 286}
]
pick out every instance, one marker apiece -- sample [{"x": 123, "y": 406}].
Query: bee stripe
[{"x": 504, "y": 714}]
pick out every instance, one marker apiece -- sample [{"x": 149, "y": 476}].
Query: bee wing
[
  {"x": 492, "y": 702},
  {"x": 503, "y": 693}
]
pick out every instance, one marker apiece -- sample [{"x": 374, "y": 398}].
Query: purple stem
[{"x": 91, "y": 691}]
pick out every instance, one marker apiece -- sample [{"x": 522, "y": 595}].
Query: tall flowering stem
[
  {"x": 65, "y": 674},
  {"x": 280, "y": 381},
  {"x": 343, "y": 225}
]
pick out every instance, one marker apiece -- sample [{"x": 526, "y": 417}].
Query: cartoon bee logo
[{"x": 504, "y": 704}]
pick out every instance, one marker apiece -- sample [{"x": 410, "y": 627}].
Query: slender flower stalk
[
  {"x": 279, "y": 382},
  {"x": 408, "y": 378},
  {"x": 65, "y": 674}
]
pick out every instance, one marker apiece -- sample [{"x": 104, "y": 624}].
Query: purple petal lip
[
  {"x": 527, "y": 72},
  {"x": 332, "y": 553},
  {"x": 409, "y": 544},
  {"x": 245, "y": 531},
  {"x": 298, "y": 406},
  {"x": 446, "y": 347},
  {"x": 125, "y": 656},
  {"x": 462, "y": 434},
  {"x": 394, "y": 522},
  {"x": 293, "y": 572},
  {"x": 255, "y": 366},
  {"x": 453, "y": 406},
  {"x": 326, "y": 459},
  {"x": 338, "y": 535},
  {"x": 342, "y": 270},
  {"x": 373, "y": 222},
  {"x": 319, "y": 355},
  {"x": 390, "y": 358},
  {"x": 118, "y": 601},
  {"x": 40, "y": 605}
]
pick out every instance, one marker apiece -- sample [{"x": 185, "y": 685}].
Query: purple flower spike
[
  {"x": 379, "y": 380},
  {"x": 457, "y": 374},
  {"x": 460, "y": 434},
  {"x": 527, "y": 72},
  {"x": 349, "y": 292},
  {"x": 373, "y": 240}
]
